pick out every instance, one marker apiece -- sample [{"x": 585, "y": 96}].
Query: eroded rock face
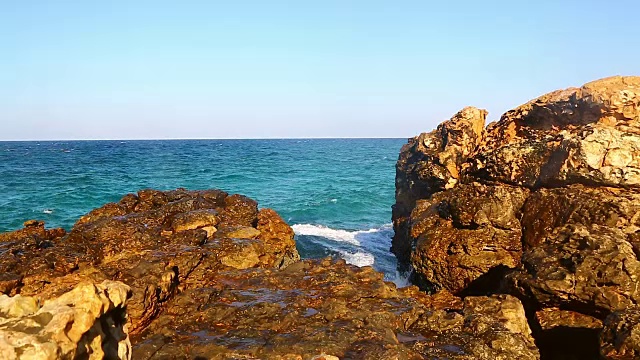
[
  {"x": 561, "y": 177},
  {"x": 466, "y": 232},
  {"x": 487, "y": 328},
  {"x": 213, "y": 277},
  {"x": 430, "y": 163},
  {"x": 329, "y": 307},
  {"x": 580, "y": 135},
  {"x": 159, "y": 243},
  {"x": 88, "y": 322},
  {"x": 620, "y": 338}
]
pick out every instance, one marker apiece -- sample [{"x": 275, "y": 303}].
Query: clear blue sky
[{"x": 263, "y": 69}]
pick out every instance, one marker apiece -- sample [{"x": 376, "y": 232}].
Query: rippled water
[{"x": 336, "y": 193}]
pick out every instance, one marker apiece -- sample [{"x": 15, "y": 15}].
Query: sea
[{"x": 335, "y": 193}]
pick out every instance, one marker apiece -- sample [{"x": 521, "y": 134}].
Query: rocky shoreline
[
  {"x": 543, "y": 205},
  {"x": 523, "y": 238}
]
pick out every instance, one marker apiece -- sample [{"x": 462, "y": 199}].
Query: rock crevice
[{"x": 550, "y": 194}]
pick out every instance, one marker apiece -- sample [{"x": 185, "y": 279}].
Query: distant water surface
[{"x": 336, "y": 193}]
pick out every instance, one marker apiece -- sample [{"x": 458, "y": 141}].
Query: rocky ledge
[
  {"x": 543, "y": 204},
  {"x": 207, "y": 275}
]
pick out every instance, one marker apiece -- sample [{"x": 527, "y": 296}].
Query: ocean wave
[
  {"x": 358, "y": 258},
  {"x": 357, "y": 247},
  {"x": 327, "y": 232}
]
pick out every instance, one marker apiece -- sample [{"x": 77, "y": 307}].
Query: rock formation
[
  {"x": 214, "y": 277},
  {"x": 88, "y": 322},
  {"x": 158, "y": 243},
  {"x": 543, "y": 204}
]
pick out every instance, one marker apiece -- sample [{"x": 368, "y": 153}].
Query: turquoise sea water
[{"x": 336, "y": 193}]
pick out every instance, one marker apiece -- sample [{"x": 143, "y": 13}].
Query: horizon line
[{"x": 229, "y": 138}]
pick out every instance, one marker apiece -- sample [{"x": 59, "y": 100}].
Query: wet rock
[
  {"x": 240, "y": 291},
  {"x": 564, "y": 169},
  {"x": 487, "y": 328},
  {"x": 343, "y": 310},
  {"x": 620, "y": 338},
  {"x": 159, "y": 243},
  {"x": 89, "y": 322},
  {"x": 463, "y": 234},
  {"x": 432, "y": 162}
]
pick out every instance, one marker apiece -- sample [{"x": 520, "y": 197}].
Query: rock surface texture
[
  {"x": 543, "y": 204},
  {"x": 213, "y": 277},
  {"x": 88, "y": 322}
]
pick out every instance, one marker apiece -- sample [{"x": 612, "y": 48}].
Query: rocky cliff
[{"x": 543, "y": 204}]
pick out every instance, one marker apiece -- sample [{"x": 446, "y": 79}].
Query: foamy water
[{"x": 357, "y": 247}]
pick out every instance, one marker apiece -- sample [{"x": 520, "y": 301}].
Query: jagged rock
[
  {"x": 331, "y": 307},
  {"x": 581, "y": 247},
  {"x": 587, "y": 135},
  {"x": 488, "y": 328},
  {"x": 159, "y": 243},
  {"x": 620, "y": 339},
  {"x": 430, "y": 163},
  {"x": 553, "y": 318},
  {"x": 89, "y": 322},
  {"x": 466, "y": 232},
  {"x": 570, "y": 161},
  {"x": 241, "y": 292},
  {"x": 566, "y": 335}
]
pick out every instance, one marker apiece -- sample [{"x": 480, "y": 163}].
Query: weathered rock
[
  {"x": 465, "y": 233},
  {"x": 241, "y": 291},
  {"x": 488, "y": 328},
  {"x": 158, "y": 243},
  {"x": 589, "y": 135},
  {"x": 581, "y": 247},
  {"x": 620, "y": 338},
  {"x": 553, "y": 318},
  {"x": 569, "y": 162},
  {"x": 196, "y": 219},
  {"x": 566, "y": 335},
  {"x": 430, "y": 163},
  {"x": 89, "y": 322},
  {"x": 333, "y": 308}
]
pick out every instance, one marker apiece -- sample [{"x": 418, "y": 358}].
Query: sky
[{"x": 281, "y": 69}]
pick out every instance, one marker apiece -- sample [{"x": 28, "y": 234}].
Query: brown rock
[
  {"x": 86, "y": 323},
  {"x": 591, "y": 269},
  {"x": 196, "y": 219},
  {"x": 156, "y": 242},
  {"x": 564, "y": 169},
  {"x": 488, "y": 328},
  {"x": 430, "y": 163},
  {"x": 552, "y": 318},
  {"x": 343, "y": 310},
  {"x": 589, "y": 135},
  {"x": 465, "y": 233},
  {"x": 620, "y": 339}
]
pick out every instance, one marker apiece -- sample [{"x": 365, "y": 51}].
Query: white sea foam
[
  {"x": 326, "y": 232},
  {"x": 377, "y": 240},
  {"x": 401, "y": 280},
  {"x": 358, "y": 258},
  {"x": 47, "y": 211}
]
